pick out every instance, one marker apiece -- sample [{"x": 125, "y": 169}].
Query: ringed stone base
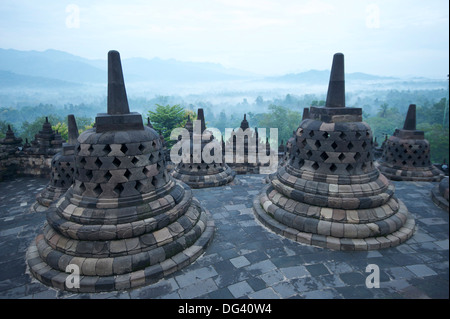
[
  {"x": 201, "y": 178},
  {"x": 416, "y": 174},
  {"x": 48, "y": 265},
  {"x": 440, "y": 194},
  {"x": 330, "y": 233}
]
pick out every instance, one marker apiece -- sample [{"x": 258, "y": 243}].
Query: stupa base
[
  {"x": 95, "y": 283},
  {"x": 261, "y": 207}
]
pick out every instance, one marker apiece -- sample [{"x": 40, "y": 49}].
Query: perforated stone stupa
[
  {"x": 125, "y": 222},
  {"x": 330, "y": 194},
  {"x": 406, "y": 154},
  {"x": 245, "y": 161},
  {"x": 198, "y": 173},
  {"x": 62, "y": 171}
]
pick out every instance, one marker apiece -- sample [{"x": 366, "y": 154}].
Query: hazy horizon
[{"x": 388, "y": 38}]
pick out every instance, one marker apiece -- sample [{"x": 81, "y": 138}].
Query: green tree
[
  {"x": 165, "y": 118},
  {"x": 438, "y": 137},
  {"x": 282, "y": 118}
]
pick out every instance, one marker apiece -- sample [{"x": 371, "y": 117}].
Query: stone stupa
[
  {"x": 62, "y": 170},
  {"x": 330, "y": 194},
  {"x": 125, "y": 222},
  {"x": 198, "y": 173},
  {"x": 406, "y": 154},
  {"x": 245, "y": 158}
]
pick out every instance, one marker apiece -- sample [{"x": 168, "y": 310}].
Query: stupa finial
[
  {"x": 410, "y": 121},
  {"x": 117, "y": 95},
  {"x": 336, "y": 86}
]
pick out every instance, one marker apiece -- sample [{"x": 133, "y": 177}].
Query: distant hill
[
  {"x": 13, "y": 80},
  {"x": 63, "y": 66},
  {"x": 322, "y": 77}
]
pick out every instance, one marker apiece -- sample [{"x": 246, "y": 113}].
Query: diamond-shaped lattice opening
[
  {"x": 107, "y": 176},
  {"x": 107, "y": 149},
  {"x": 363, "y": 166},
  {"x": 135, "y": 160},
  {"x": 304, "y": 142},
  {"x": 350, "y": 145},
  {"x": 141, "y": 147},
  {"x": 325, "y": 135},
  {"x": 405, "y": 151},
  {"x": 82, "y": 188},
  {"x": 311, "y": 133},
  {"x": 367, "y": 133},
  {"x": 342, "y": 135},
  {"x": 91, "y": 148},
  {"x": 349, "y": 168},
  {"x": 139, "y": 186},
  {"x": 309, "y": 153},
  {"x": 333, "y": 168},
  {"x": 153, "y": 144},
  {"x": 341, "y": 157},
  {"x": 403, "y": 162},
  {"x": 198, "y": 167},
  {"x": 124, "y": 148},
  {"x": 301, "y": 162},
  {"x": 127, "y": 174},
  {"x": 154, "y": 181},
  {"x": 83, "y": 161},
  {"x": 414, "y": 163},
  {"x": 334, "y": 145},
  {"x": 89, "y": 174},
  {"x": 324, "y": 156},
  {"x": 410, "y": 146},
  {"x": 357, "y": 134},
  {"x": 315, "y": 165},
  {"x": 98, "y": 163},
  {"x": 357, "y": 156},
  {"x": 63, "y": 183},
  {"x": 151, "y": 157},
  {"x": 318, "y": 144},
  {"x": 98, "y": 190},
  {"x": 118, "y": 189},
  {"x": 78, "y": 149},
  {"x": 364, "y": 144},
  {"x": 116, "y": 162}
]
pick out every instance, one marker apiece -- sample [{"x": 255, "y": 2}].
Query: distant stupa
[{"x": 406, "y": 154}]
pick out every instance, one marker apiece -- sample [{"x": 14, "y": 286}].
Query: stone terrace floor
[{"x": 245, "y": 260}]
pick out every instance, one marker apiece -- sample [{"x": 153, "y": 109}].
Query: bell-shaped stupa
[
  {"x": 245, "y": 146},
  {"x": 62, "y": 170},
  {"x": 330, "y": 194},
  {"x": 406, "y": 154},
  {"x": 125, "y": 222},
  {"x": 196, "y": 172}
]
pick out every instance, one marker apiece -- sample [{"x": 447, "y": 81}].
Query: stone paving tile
[
  {"x": 421, "y": 270},
  {"x": 240, "y": 289},
  {"x": 245, "y": 259}
]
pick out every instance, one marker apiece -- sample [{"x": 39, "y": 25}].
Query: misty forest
[{"x": 53, "y": 84}]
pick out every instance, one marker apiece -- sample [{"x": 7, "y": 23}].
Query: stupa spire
[
  {"x": 410, "y": 121},
  {"x": 117, "y": 95},
  {"x": 72, "y": 129},
  {"x": 336, "y": 86}
]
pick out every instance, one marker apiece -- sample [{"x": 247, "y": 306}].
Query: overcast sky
[{"x": 392, "y": 37}]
